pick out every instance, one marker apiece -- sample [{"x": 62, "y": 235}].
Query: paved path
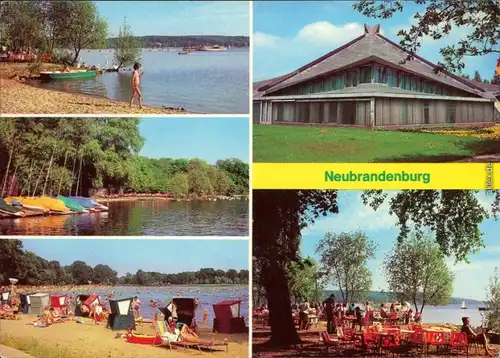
[{"x": 8, "y": 352}]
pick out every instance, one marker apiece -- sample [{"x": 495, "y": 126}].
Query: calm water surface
[
  {"x": 204, "y": 82},
  {"x": 208, "y": 295},
  {"x": 138, "y": 218}
]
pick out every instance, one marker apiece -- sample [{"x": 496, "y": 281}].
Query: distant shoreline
[{"x": 101, "y": 199}]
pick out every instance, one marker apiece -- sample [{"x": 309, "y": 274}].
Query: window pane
[{"x": 366, "y": 75}]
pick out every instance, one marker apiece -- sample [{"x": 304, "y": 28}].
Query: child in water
[{"x": 135, "y": 85}]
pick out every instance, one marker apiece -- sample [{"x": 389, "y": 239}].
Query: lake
[
  {"x": 142, "y": 218},
  {"x": 207, "y": 295},
  {"x": 202, "y": 82}
]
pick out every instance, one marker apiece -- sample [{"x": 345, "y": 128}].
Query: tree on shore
[
  {"x": 18, "y": 20},
  {"x": 417, "y": 272},
  {"x": 344, "y": 260},
  {"x": 279, "y": 216},
  {"x": 493, "y": 302},
  {"x": 303, "y": 280},
  {"x": 82, "y": 27},
  {"x": 127, "y": 47},
  {"x": 440, "y": 17}
]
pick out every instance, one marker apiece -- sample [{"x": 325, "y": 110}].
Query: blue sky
[
  {"x": 187, "y": 137},
  {"x": 471, "y": 279},
  {"x": 176, "y": 18},
  {"x": 288, "y": 35},
  {"x": 165, "y": 256}
]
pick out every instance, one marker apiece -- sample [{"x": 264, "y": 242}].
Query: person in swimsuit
[
  {"x": 136, "y": 77},
  {"x": 136, "y": 305}
]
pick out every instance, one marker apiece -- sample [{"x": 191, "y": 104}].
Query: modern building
[{"x": 372, "y": 82}]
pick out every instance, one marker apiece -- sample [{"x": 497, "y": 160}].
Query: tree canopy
[
  {"x": 417, "y": 272},
  {"x": 493, "y": 302},
  {"x": 344, "y": 259},
  {"x": 46, "y": 25},
  {"x": 480, "y": 18},
  {"x": 31, "y": 269}
]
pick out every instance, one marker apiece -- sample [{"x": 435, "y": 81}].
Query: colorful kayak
[
  {"x": 44, "y": 202},
  {"x": 9, "y": 209},
  {"x": 72, "y": 75},
  {"x": 88, "y": 203},
  {"x": 71, "y": 204},
  {"x": 25, "y": 204}
]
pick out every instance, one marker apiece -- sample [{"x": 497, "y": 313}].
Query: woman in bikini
[{"x": 136, "y": 77}]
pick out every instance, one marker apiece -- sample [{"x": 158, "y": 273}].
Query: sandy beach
[
  {"x": 19, "y": 97},
  {"x": 70, "y": 339}
]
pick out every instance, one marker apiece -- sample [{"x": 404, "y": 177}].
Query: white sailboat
[{"x": 464, "y": 307}]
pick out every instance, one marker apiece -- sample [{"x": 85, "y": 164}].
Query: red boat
[{"x": 142, "y": 339}]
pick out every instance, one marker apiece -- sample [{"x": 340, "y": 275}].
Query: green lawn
[{"x": 273, "y": 144}]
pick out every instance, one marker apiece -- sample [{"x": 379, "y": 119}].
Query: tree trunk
[
  {"x": 77, "y": 53},
  {"x": 64, "y": 166},
  {"x": 79, "y": 175},
  {"x": 72, "y": 176},
  {"x": 7, "y": 170},
  {"x": 38, "y": 180},
  {"x": 48, "y": 172},
  {"x": 28, "y": 180},
  {"x": 283, "y": 332}
]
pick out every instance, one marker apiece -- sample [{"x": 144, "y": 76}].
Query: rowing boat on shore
[{"x": 75, "y": 74}]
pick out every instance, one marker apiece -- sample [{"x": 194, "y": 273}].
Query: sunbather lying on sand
[{"x": 188, "y": 335}]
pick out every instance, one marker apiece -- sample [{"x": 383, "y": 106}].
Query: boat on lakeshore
[
  {"x": 464, "y": 306},
  {"x": 213, "y": 48},
  {"x": 71, "y": 75},
  {"x": 8, "y": 210}
]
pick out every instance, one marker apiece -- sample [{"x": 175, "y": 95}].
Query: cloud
[
  {"x": 323, "y": 32},
  {"x": 261, "y": 39}
]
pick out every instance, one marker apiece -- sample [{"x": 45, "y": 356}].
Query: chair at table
[
  {"x": 437, "y": 339},
  {"x": 391, "y": 342},
  {"x": 458, "y": 342},
  {"x": 370, "y": 341},
  {"x": 417, "y": 341}
]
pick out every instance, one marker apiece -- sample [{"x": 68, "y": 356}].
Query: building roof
[{"x": 368, "y": 47}]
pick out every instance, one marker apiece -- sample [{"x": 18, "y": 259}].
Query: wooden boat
[
  {"x": 142, "y": 339},
  {"x": 182, "y": 52},
  {"x": 72, "y": 75},
  {"x": 483, "y": 308}
]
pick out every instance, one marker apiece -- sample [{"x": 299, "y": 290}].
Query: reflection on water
[
  {"x": 208, "y": 295},
  {"x": 153, "y": 218},
  {"x": 206, "y": 82}
]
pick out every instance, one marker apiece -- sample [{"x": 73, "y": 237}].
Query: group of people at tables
[{"x": 339, "y": 315}]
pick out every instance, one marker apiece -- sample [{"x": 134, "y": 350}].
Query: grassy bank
[
  {"x": 69, "y": 339},
  {"x": 20, "y": 98},
  {"x": 351, "y": 145}
]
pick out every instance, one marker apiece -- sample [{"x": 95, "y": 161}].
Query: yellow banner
[{"x": 480, "y": 176}]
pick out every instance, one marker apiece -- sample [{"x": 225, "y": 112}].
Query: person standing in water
[{"x": 136, "y": 77}]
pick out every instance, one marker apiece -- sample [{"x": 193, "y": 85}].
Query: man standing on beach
[{"x": 329, "y": 304}]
